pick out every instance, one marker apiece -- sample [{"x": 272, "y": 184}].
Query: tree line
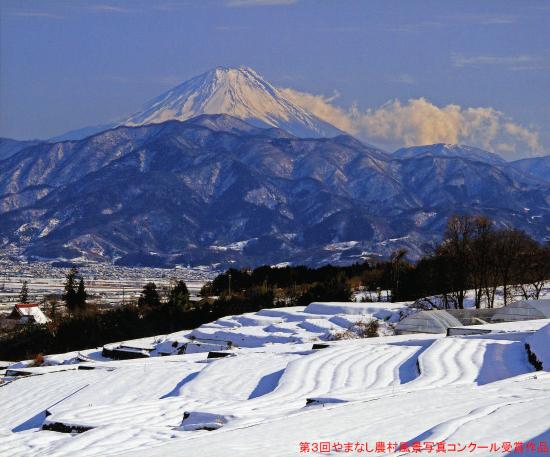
[{"x": 474, "y": 254}]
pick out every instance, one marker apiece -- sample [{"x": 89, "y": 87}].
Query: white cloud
[
  {"x": 322, "y": 107},
  {"x": 531, "y": 138},
  {"x": 418, "y": 122}
]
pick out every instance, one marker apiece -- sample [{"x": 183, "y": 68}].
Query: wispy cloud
[
  {"x": 416, "y": 26},
  {"x": 498, "y": 20},
  {"x": 179, "y": 5},
  {"x": 338, "y": 29},
  {"x": 36, "y": 14},
  {"x": 105, "y": 8},
  {"x": 70, "y": 9},
  {"x": 232, "y": 28},
  {"x": 439, "y": 22},
  {"x": 534, "y": 66},
  {"x": 483, "y": 19},
  {"x": 244, "y": 3},
  {"x": 403, "y": 78},
  {"x": 460, "y": 60}
]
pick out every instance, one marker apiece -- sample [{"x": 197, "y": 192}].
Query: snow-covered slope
[
  {"x": 240, "y": 92},
  {"x": 476, "y": 390}
]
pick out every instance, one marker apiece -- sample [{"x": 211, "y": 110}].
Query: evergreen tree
[
  {"x": 24, "y": 294},
  {"x": 81, "y": 295},
  {"x": 179, "y": 295},
  {"x": 70, "y": 295},
  {"x": 52, "y": 300},
  {"x": 149, "y": 297}
]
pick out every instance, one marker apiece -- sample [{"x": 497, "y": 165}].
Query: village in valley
[{"x": 107, "y": 285}]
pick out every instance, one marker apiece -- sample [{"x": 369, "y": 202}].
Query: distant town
[{"x": 107, "y": 285}]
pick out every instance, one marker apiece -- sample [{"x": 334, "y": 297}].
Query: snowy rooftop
[
  {"x": 30, "y": 310},
  {"x": 524, "y": 309}
]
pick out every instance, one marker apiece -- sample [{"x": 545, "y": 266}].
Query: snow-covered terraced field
[
  {"x": 317, "y": 321},
  {"x": 268, "y": 397},
  {"x": 249, "y": 385},
  {"x": 471, "y": 360},
  {"x": 291, "y": 325},
  {"x": 24, "y": 399}
]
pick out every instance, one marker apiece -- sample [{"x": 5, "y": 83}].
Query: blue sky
[{"x": 400, "y": 69}]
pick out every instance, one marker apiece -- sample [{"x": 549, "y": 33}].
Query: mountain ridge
[
  {"x": 537, "y": 166},
  {"x": 216, "y": 189},
  {"x": 450, "y": 150}
]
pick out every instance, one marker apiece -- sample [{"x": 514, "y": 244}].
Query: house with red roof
[{"x": 28, "y": 313}]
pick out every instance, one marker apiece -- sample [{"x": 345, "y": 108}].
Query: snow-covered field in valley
[{"x": 277, "y": 396}]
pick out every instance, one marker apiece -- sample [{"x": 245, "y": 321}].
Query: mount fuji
[{"x": 239, "y": 92}]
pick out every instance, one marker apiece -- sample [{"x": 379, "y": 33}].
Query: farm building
[
  {"x": 125, "y": 351},
  {"x": 436, "y": 321},
  {"x": 27, "y": 313},
  {"x": 439, "y": 321},
  {"x": 499, "y": 327},
  {"x": 523, "y": 310}
]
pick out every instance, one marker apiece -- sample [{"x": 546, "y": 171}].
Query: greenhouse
[
  {"x": 427, "y": 322},
  {"x": 523, "y": 310}
]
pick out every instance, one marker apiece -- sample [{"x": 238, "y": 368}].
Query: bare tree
[
  {"x": 534, "y": 271},
  {"x": 456, "y": 249},
  {"x": 481, "y": 253},
  {"x": 511, "y": 246}
]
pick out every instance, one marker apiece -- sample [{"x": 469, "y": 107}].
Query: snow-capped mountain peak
[
  {"x": 450, "y": 150},
  {"x": 240, "y": 92}
]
